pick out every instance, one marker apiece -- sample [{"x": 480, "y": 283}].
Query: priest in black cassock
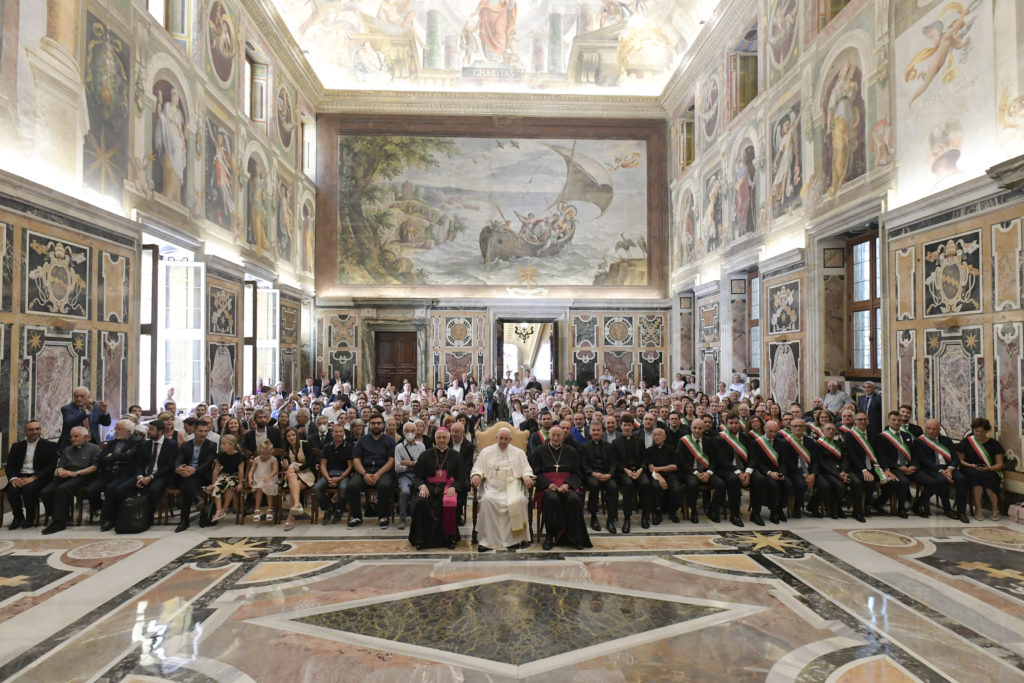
[{"x": 560, "y": 476}]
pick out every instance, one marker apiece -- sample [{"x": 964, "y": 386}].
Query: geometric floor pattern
[{"x": 817, "y": 600}]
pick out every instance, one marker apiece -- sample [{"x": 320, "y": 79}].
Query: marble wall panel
[
  {"x": 708, "y": 379},
  {"x": 952, "y": 275},
  {"x": 1007, "y": 266},
  {"x": 834, "y": 311},
  {"x": 289, "y": 323},
  {"x": 222, "y": 372},
  {"x": 342, "y": 331},
  {"x": 289, "y": 361},
  {"x": 1008, "y": 379},
  {"x": 584, "y": 331},
  {"x": 784, "y": 371},
  {"x": 707, "y": 322},
  {"x": 784, "y": 309},
  {"x": 740, "y": 355},
  {"x": 458, "y": 331},
  {"x": 686, "y": 340},
  {"x": 906, "y": 367},
  {"x": 53, "y": 362},
  {"x": 112, "y": 373},
  {"x": 618, "y": 330},
  {"x": 6, "y": 266},
  {"x": 345, "y": 362},
  {"x": 56, "y": 276},
  {"x": 905, "y": 270},
  {"x": 650, "y": 366},
  {"x": 458, "y": 362},
  {"x": 652, "y": 328},
  {"x": 114, "y": 285},
  {"x": 954, "y": 373},
  {"x": 621, "y": 364},
  {"x": 584, "y": 365},
  {"x": 223, "y": 311}
]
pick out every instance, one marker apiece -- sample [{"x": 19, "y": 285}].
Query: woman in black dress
[{"x": 982, "y": 460}]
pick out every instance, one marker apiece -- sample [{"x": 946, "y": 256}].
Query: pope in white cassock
[{"x": 503, "y": 477}]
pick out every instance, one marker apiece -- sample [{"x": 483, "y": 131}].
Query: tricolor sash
[
  {"x": 938, "y": 448},
  {"x": 983, "y": 453},
  {"x": 798, "y": 446},
  {"x": 737, "y": 445},
  {"x": 872, "y": 463},
  {"x": 768, "y": 449},
  {"x": 816, "y": 429},
  {"x": 827, "y": 445},
  {"x": 696, "y": 450},
  {"x": 844, "y": 428},
  {"x": 894, "y": 438},
  {"x": 543, "y": 439}
]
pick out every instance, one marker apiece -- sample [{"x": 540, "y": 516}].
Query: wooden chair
[{"x": 489, "y": 437}]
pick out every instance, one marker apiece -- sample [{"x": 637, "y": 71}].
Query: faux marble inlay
[
  {"x": 885, "y": 539},
  {"x": 513, "y": 622}
]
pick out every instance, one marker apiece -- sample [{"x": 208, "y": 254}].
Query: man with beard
[
  {"x": 737, "y": 459},
  {"x": 373, "y": 459}
]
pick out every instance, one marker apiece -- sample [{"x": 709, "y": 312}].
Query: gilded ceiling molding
[{"x": 490, "y": 103}]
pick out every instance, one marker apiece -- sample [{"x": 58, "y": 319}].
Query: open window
[
  {"x": 865, "y": 304},
  {"x": 743, "y": 84},
  {"x": 173, "y": 15},
  {"x": 754, "y": 323},
  {"x": 687, "y": 137},
  {"x": 255, "y": 84}
]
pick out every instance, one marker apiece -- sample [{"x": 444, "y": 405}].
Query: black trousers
[
  {"x": 25, "y": 500},
  {"x": 58, "y": 495},
  {"x": 611, "y": 496},
  {"x": 899, "y": 487},
  {"x": 669, "y": 499},
  {"x": 715, "y": 483},
  {"x": 734, "y": 491},
  {"x": 641, "y": 486},
  {"x": 190, "y": 487},
  {"x": 828, "y": 484},
  {"x": 385, "y": 488}
]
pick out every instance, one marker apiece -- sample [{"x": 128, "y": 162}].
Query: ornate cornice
[
  {"x": 276, "y": 36},
  {"x": 490, "y": 103}
]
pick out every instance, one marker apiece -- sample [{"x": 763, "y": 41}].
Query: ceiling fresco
[{"x": 590, "y": 46}]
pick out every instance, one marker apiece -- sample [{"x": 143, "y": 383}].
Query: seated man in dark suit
[
  {"x": 155, "y": 463},
  {"x": 599, "y": 469},
  {"x": 935, "y": 456},
  {"x": 262, "y": 431},
  {"x": 194, "y": 468},
  {"x": 120, "y": 453},
  {"x": 30, "y": 466}
]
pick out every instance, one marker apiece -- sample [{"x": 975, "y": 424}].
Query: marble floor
[{"x": 811, "y": 600}]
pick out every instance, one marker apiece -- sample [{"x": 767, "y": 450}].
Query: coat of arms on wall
[
  {"x": 951, "y": 270},
  {"x": 784, "y": 308},
  {"x": 57, "y": 277},
  {"x": 223, "y": 311}
]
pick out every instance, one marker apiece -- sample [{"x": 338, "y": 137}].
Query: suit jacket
[
  {"x": 73, "y": 416},
  {"x": 629, "y": 452},
  {"x": 465, "y": 451},
  {"x": 926, "y": 459},
  {"x": 888, "y": 453},
  {"x": 165, "y": 460},
  {"x": 590, "y": 452},
  {"x": 792, "y": 457},
  {"x": 729, "y": 460},
  {"x": 764, "y": 463},
  {"x": 207, "y": 454},
  {"x": 828, "y": 463},
  {"x": 872, "y": 406},
  {"x": 688, "y": 461},
  {"x": 43, "y": 464},
  {"x": 858, "y": 458},
  {"x": 273, "y": 433},
  {"x": 118, "y": 456}
]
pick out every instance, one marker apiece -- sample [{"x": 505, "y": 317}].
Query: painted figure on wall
[
  {"x": 883, "y": 142},
  {"x": 785, "y": 372},
  {"x": 220, "y": 175},
  {"x": 744, "y": 191},
  {"x": 782, "y": 19},
  {"x": 688, "y": 225},
  {"x": 711, "y": 222},
  {"x": 222, "y": 373},
  {"x": 786, "y": 176},
  {"x": 169, "y": 145},
  {"x": 308, "y": 237},
  {"x": 285, "y": 222},
  {"x": 948, "y": 48},
  {"x": 221, "y": 34},
  {"x": 106, "y": 93},
  {"x": 843, "y": 154},
  {"x": 496, "y": 23},
  {"x": 285, "y": 117},
  {"x": 709, "y": 107},
  {"x": 257, "y": 207}
]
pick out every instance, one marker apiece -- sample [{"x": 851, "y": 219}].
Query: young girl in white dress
[{"x": 263, "y": 478}]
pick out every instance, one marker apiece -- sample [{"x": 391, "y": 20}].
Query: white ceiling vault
[{"x": 585, "y": 47}]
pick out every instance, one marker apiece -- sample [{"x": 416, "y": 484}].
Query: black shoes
[
  {"x": 673, "y": 517},
  {"x": 182, "y": 525},
  {"x": 17, "y": 523},
  {"x": 625, "y": 526},
  {"x": 756, "y": 519},
  {"x": 694, "y": 517},
  {"x": 902, "y": 514},
  {"x": 963, "y": 518},
  {"x": 736, "y": 520},
  {"x": 54, "y": 527},
  {"x": 645, "y": 522},
  {"x": 774, "y": 517},
  {"x": 353, "y": 523},
  {"x": 611, "y": 527},
  {"x": 106, "y": 526},
  {"x": 383, "y": 522},
  {"x": 657, "y": 519},
  {"x": 548, "y": 543},
  {"x": 483, "y": 549},
  {"x": 594, "y": 524},
  {"x": 859, "y": 517},
  {"x": 797, "y": 512},
  {"x": 714, "y": 516}
]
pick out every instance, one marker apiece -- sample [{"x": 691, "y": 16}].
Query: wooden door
[{"x": 395, "y": 358}]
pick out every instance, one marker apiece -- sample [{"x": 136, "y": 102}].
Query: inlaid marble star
[
  {"x": 971, "y": 341},
  {"x": 528, "y": 275},
  {"x": 243, "y": 548},
  {"x": 13, "y": 581},
  {"x": 774, "y": 541},
  {"x": 992, "y": 571},
  {"x": 78, "y": 344},
  {"x": 35, "y": 341}
]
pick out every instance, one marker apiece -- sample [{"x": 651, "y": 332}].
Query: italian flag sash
[
  {"x": 938, "y": 448},
  {"x": 736, "y": 444},
  {"x": 800, "y": 449},
  {"x": 816, "y": 429},
  {"x": 896, "y": 441},
  {"x": 844, "y": 428},
  {"x": 696, "y": 450},
  {"x": 862, "y": 439},
  {"x": 762, "y": 441},
  {"x": 828, "y": 446},
  {"x": 983, "y": 453},
  {"x": 543, "y": 438}
]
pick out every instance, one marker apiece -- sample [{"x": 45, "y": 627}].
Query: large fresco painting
[
  {"x": 489, "y": 44},
  {"x": 787, "y": 175},
  {"x": 945, "y": 97},
  {"x": 514, "y": 212},
  {"x": 107, "y": 60},
  {"x": 844, "y": 151},
  {"x": 221, "y": 174}
]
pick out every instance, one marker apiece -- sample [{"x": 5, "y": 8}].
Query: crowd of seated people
[{"x": 668, "y": 452}]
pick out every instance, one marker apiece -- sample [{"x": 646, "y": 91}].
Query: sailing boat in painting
[{"x": 586, "y": 180}]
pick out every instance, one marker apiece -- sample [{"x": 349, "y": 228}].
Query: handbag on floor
[
  {"x": 207, "y": 511},
  {"x": 134, "y": 516}
]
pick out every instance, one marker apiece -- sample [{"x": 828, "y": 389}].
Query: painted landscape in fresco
[{"x": 489, "y": 211}]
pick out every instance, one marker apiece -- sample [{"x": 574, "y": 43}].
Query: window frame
[
  {"x": 687, "y": 137},
  {"x": 257, "y": 73},
  {"x": 872, "y": 304},
  {"x": 182, "y": 334},
  {"x": 151, "y": 254},
  {"x": 827, "y": 11},
  {"x": 737, "y": 58},
  {"x": 753, "y": 322},
  {"x": 183, "y": 10},
  {"x": 250, "y": 319}
]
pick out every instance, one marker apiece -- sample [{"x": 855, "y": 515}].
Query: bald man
[{"x": 936, "y": 457}]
